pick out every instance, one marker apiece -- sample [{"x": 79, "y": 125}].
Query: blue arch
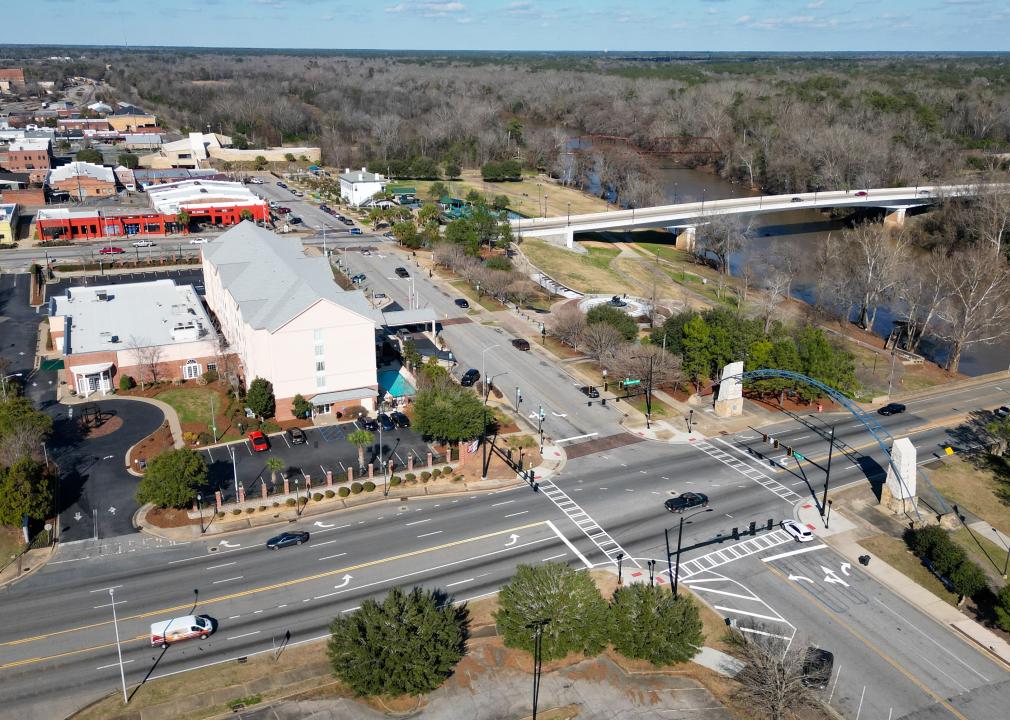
[{"x": 882, "y": 437}]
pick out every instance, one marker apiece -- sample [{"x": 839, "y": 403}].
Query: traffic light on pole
[
  {"x": 775, "y": 442},
  {"x": 789, "y": 451},
  {"x": 764, "y": 437}
]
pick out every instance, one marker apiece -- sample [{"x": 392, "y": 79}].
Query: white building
[
  {"x": 289, "y": 322},
  {"x": 196, "y": 195},
  {"x": 359, "y": 186}
]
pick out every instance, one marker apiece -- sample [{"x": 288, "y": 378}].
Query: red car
[
  {"x": 110, "y": 250},
  {"x": 861, "y": 193},
  {"x": 259, "y": 441}
]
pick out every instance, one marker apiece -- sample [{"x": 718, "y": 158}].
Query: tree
[
  {"x": 129, "y": 160},
  {"x": 89, "y": 155},
  {"x": 274, "y": 465},
  {"x": 448, "y": 412},
  {"x": 569, "y": 602},
  {"x": 1003, "y": 608},
  {"x": 182, "y": 219},
  {"x": 409, "y": 643},
  {"x": 671, "y": 333},
  {"x": 23, "y": 429},
  {"x": 601, "y": 341},
  {"x": 361, "y": 439},
  {"x": 968, "y": 579},
  {"x": 616, "y": 318},
  {"x": 148, "y": 358},
  {"x": 127, "y": 383},
  {"x": 696, "y": 350},
  {"x": 452, "y": 170},
  {"x": 648, "y": 623},
  {"x": 438, "y": 190},
  {"x": 431, "y": 373},
  {"x": 26, "y": 490},
  {"x": 260, "y": 398},
  {"x": 723, "y": 236},
  {"x": 873, "y": 262},
  {"x": 407, "y": 235},
  {"x": 771, "y": 681},
  {"x": 172, "y": 479},
  {"x": 822, "y": 361},
  {"x": 300, "y": 407}
]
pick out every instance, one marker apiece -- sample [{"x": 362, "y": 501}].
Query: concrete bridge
[{"x": 686, "y": 217}]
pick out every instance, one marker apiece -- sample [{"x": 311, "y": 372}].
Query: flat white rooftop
[{"x": 107, "y": 317}]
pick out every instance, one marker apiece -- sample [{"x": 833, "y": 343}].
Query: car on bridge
[
  {"x": 287, "y": 539},
  {"x": 861, "y": 193},
  {"x": 796, "y": 199},
  {"x": 686, "y": 501}
]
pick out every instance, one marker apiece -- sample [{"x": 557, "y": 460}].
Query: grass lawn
[
  {"x": 975, "y": 489},
  {"x": 660, "y": 410},
  {"x": 193, "y": 404},
  {"x": 11, "y": 542},
  {"x": 989, "y": 556},
  {"x": 589, "y": 273},
  {"x": 896, "y": 554},
  {"x": 667, "y": 251}
]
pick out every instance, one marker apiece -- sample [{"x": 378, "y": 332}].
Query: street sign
[
  {"x": 627, "y": 382},
  {"x": 798, "y": 456}
]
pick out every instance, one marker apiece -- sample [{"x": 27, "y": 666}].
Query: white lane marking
[
  {"x": 523, "y": 512},
  {"x": 232, "y": 617},
  {"x": 762, "y": 632},
  {"x": 461, "y": 582},
  {"x": 692, "y": 583},
  {"x": 257, "y": 612},
  {"x": 503, "y": 502},
  {"x": 115, "y": 664},
  {"x": 802, "y": 437},
  {"x": 282, "y": 606},
  {"x": 571, "y": 547},
  {"x": 104, "y": 589},
  {"x": 793, "y": 552},
  {"x": 330, "y": 557},
  {"x": 860, "y": 708},
  {"x": 236, "y": 637},
  {"x": 238, "y": 577},
  {"x": 437, "y": 532},
  {"x": 576, "y": 437},
  {"x": 118, "y": 602},
  {"x": 417, "y": 522},
  {"x": 838, "y": 673},
  {"x": 943, "y": 672},
  {"x": 328, "y": 542},
  {"x": 553, "y": 557},
  {"x": 747, "y": 612},
  {"x": 198, "y": 557},
  {"x": 215, "y": 567}
]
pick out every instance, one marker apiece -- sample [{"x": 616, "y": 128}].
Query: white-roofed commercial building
[
  {"x": 150, "y": 331},
  {"x": 216, "y": 202},
  {"x": 288, "y": 321},
  {"x": 83, "y": 180}
]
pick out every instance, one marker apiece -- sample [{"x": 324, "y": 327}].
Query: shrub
[
  {"x": 394, "y": 480},
  {"x": 946, "y": 557},
  {"x": 250, "y": 510},
  {"x": 262, "y": 508},
  {"x": 648, "y": 623},
  {"x": 458, "y": 478},
  {"x": 436, "y": 473},
  {"x": 172, "y": 479},
  {"x": 221, "y": 514},
  {"x": 447, "y": 470},
  {"x": 356, "y": 487},
  {"x": 1003, "y": 608},
  {"x": 330, "y": 494},
  {"x": 190, "y": 438},
  {"x": 343, "y": 492},
  {"x": 290, "y": 502},
  {"x": 276, "y": 504},
  {"x": 410, "y": 477},
  {"x": 236, "y": 511},
  {"x": 127, "y": 383},
  {"x": 369, "y": 486},
  {"x": 968, "y": 579},
  {"x": 205, "y": 438},
  {"x": 210, "y": 376},
  {"x": 924, "y": 540},
  {"x": 317, "y": 496},
  {"x": 425, "y": 476}
]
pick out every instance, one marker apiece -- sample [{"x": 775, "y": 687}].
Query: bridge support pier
[
  {"x": 686, "y": 239},
  {"x": 895, "y": 218}
]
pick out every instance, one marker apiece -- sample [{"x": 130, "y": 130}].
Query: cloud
[
  {"x": 522, "y": 7},
  {"x": 427, "y": 9},
  {"x": 814, "y": 5}
]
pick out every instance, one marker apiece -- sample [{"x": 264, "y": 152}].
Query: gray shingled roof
[{"x": 272, "y": 279}]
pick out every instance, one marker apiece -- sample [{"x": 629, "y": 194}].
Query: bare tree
[
  {"x": 147, "y": 357},
  {"x": 568, "y": 324},
  {"x": 633, "y": 361},
  {"x": 722, "y": 236},
  {"x": 990, "y": 213},
  {"x": 773, "y": 291},
  {"x": 771, "y": 680},
  {"x": 922, "y": 289},
  {"x": 602, "y": 341},
  {"x": 872, "y": 262}
]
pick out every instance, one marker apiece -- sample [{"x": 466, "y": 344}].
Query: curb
[{"x": 32, "y": 570}]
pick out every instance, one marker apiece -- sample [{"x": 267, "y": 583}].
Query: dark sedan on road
[
  {"x": 892, "y": 409},
  {"x": 296, "y": 436},
  {"x": 469, "y": 377},
  {"x": 385, "y": 422},
  {"x": 520, "y": 344},
  {"x": 686, "y": 501},
  {"x": 589, "y": 391},
  {"x": 462, "y": 303},
  {"x": 287, "y": 539},
  {"x": 399, "y": 419},
  {"x": 402, "y": 272}
]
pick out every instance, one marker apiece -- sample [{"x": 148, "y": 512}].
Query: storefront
[{"x": 91, "y": 379}]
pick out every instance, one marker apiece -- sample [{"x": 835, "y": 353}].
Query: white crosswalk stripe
[
  {"x": 714, "y": 559},
  {"x": 589, "y": 527},
  {"x": 749, "y": 472}
]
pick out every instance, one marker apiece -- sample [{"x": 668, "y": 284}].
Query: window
[
  {"x": 320, "y": 366},
  {"x": 320, "y": 381},
  {"x": 317, "y": 335},
  {"x": 191, "y": 370},
  {"x": 211, "y": 367},
  {"x": 319, "y": 350}
]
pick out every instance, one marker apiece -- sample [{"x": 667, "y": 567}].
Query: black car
[
  {"x": 386, "y": 422},
  {"x": 469, "y": 377},
  {"x": 686, "y": 501},
  {"x": 359, "y": 278},
  {"x": 296, "y": 436},
  {"x": 520, "y": 344},
  {"x": 462, "y": 303},
  {"x": 287, "y": 539},
  {"x": 402, "y": 272},
  {"x": 590, "y": 391},
  {"x": 817, "y": 667},
  {"x": 892, "y": 409},
  {"x": 1002, "y": 411},
  {"x": 369, "y": 424},
  {"x": 295, "y": 220},
  {"x": 345, "y": 221},
  {"x": 399, "y": 419}
]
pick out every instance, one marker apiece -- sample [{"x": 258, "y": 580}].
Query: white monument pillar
[
  {"x": 899, "y": 493},
  {"x": 686, "y": 239},
  {"x": 729, "y": 402}
]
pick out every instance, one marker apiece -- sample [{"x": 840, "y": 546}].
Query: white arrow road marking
[
  {"x": 112, "y": 510},
  {"x": 77, "y": 516},
  {"x": 108, "y": 457},
  {"x": 225, "y": 543},
  {"x": 320, "y": 523},
  {"x": 560, "y": 415},
  {"x": 830, "y": 577},
  {"x": 512, "y": 540},
  {"x": 845, "y": 569},
  {"x": 345, "y": 583},
  {"x": 797, "y": 578}
]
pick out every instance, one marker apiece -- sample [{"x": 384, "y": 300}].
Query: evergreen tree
[
  {"x": 448, "y": 412},
  {"x": 26, "y": 490},
  {"x": 648, "y": 623},
  {"x": 616, "y": 318},
  {"x": 260, "y": 398},
  {"x": 172, "y": 479},
  {"x": 409, "y": 643},
  {"x": 696, "y": 350}
]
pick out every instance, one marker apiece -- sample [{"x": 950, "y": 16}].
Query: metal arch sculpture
[{"x": 878, "y": 433}]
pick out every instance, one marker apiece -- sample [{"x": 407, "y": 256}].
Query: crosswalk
[
  {"x": 749, "y": 472},
  {"x": 728, "y": 554},
  {"x": 589, "y": 527}
]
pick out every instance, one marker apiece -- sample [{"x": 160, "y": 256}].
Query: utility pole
[
  {"x": 538, "y": 634},
  {"x": 234, "y": 469},
  {"x": 827, "y": 476},
  {"x": 680, "y": 537},
  {"x": 213, "y": 419}
]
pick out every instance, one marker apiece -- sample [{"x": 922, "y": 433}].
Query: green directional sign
[
  {"x": 798, "y": 456},
  {"x": 627, "y": 382}
]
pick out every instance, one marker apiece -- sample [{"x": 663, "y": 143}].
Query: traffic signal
[
  {"x": 775, "y": 442},
  {"x": 764, "y": 437},
  {"x": 789, "y": 451}
]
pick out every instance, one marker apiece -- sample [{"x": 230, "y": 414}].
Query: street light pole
[
  {"x": 4, "y": 383},
  {"x": 680, "y": 537},
  {"x": 298, "y": 498},
  {"x": 234, "y": 469},
  {"x": 827, "y": 476},
  {"x": 119, "y": 649},
  {"x": 199, "y": 504},
  {"x": 538, "y": 634}
]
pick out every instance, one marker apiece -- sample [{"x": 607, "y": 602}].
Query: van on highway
[{"x": 166, "y": 632}]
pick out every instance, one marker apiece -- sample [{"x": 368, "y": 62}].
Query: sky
[{"x": 614, "y": 25}]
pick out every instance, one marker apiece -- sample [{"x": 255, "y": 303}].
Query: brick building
[
  {"x": 83, "y": 180},
  {"x": 12, "y": 80},
  {"x": 95, "y": 224},
  {"x": 29, "y": 155}
]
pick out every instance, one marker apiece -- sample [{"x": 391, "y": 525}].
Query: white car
[
  {"x": 798, "y": 532},
  {"x": 143, "y": 243},
  {"x": 198, "y": 241}
]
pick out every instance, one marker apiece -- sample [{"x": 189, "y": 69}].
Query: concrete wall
[{"x": 313, "y": 154}]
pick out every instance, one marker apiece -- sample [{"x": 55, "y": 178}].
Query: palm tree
[
  {"x": 274, "y": 465},
  {"x": 361, "y": 438}
]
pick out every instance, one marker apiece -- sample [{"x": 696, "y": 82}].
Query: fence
[{"x": 42, "y": 539}]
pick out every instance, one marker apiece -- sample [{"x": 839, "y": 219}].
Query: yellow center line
[
  {"x": 30, "y": 661},
  {"x": 277, "y": 586},
  {"x": 887, "y": 658}
]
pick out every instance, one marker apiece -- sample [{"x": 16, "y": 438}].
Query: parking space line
[{"x": 762, "y": 632}]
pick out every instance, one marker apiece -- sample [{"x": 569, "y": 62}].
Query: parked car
[
  {"x": 356, "y": 231},
  {"x": 111, "y": 250},
  {"x": 520, "y": 344},
  {"x": 143, "y": 243},
  {"x": 462, "y": 303},
  {"x": 187, "y": 627},
  {"x": 259, "y": 441},
  {"x": 296, "y": 436},
  {"x": 274, "y": 204},
  {"x": 325, "y": 208},
  {"x": 369, "y": 424},
  {"x": 799, "y": 533},
  {"x": 817, "y": 666},
  {"x": 404, "y": 333},
  {"x": 796, "y": 199},
  {"x": 298, "y": 193},
  {"x": 287, "y": 539},
  {"x": 283, "y": 210},
  {"x": 686, "y": 501},
  {"x": 861, "y": 193},
  {"x": 379, "y": 296},
  {"x": 402, "y": 272},
  {"x": 295, "y": 220},
  {"x": 255, "y": 181},
  {"x": 1002, "y": 411},
  {"x": 359, "y": 278},
  {"x": 346, "y": 221},
  {"x": 399, "y": 419},
  {"x": 589, "y": 391},
  {"x": 469, "y": 377},
  {"x": 892, "y": 409},
  {"x": 385, "y": 422},
  {"x": 280, "y": 184},
  {"x": 198, "y": 241}
]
